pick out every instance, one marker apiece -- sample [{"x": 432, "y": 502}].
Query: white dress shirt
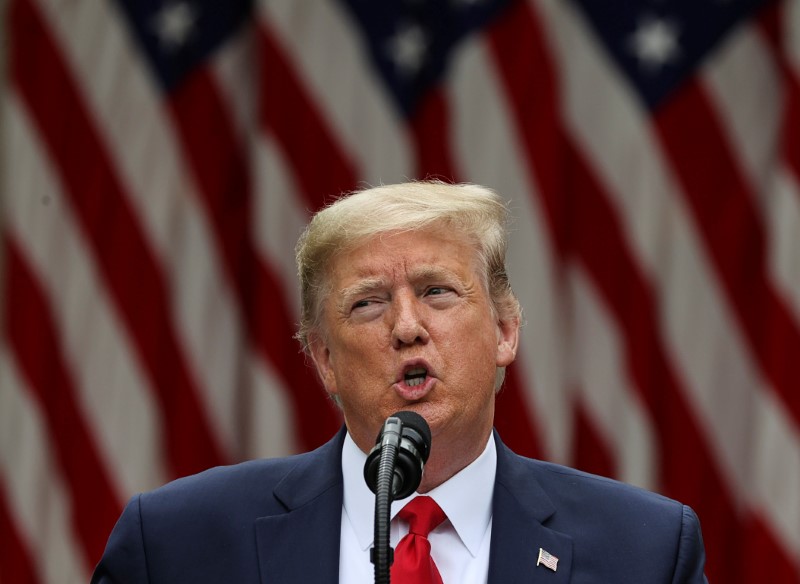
[{"x": 459, "y": 546}]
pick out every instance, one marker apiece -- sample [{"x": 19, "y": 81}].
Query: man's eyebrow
[{"x": 427, "y": 273}]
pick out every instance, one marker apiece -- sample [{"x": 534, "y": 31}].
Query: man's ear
[
  {"x": 321, "y": 355},
  {"x": 507, "y": 341}
]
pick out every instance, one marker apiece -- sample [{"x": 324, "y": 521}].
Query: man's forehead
[{"x": 408, "y": 255}]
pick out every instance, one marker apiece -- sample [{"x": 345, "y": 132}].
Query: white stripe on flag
[
  {"x": 791, "y": 26},
  {"x": 116, "y": 82},
  {"x": 604, "y": 384},
  {"x": 36, "y": 494},
  {"x": 751, "y": 112},
  {"x": 105, "y": 369},
  {"x": 711, "y": 356},
  {"x": 278, "y": 216},
  {"x": 784, "y": 236},
  {"x": 270, "y": 420},
  {"x": 339, "y": 76},
  {"x": 486, "y": 147},
  {"x": 775, "y": 471},
  {"x": 234, "y": 69}
]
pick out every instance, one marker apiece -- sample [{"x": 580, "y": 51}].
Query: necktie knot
[
  {"x": 413, "y": 563},
  {"x": 423, "y": 515}
]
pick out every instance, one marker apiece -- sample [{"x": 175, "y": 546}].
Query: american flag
[
  {"x": 547, "y": 559},
  {"x": 159, "y": 158}
]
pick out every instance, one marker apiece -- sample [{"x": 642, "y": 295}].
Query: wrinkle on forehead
[{"x": 381, "y": 263}]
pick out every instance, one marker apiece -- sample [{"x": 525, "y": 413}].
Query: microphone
[
  {"x": 410, "y": 435},
  {"x": 394, "y": 470}
]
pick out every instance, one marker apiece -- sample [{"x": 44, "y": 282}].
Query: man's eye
[
  {"x": 366, "y": 309},
  {"x": 437, "y": 290}
]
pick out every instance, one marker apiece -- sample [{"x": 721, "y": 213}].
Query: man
[{"x": 406, "y": 306}]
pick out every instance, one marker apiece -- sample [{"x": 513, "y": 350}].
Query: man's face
[{"x": 409, "y": 326}]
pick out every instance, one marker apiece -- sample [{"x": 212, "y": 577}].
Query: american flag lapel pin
[{"x": 547, "y": 559}]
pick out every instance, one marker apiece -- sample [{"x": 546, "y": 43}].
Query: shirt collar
[{"x": 466, "y": 497}]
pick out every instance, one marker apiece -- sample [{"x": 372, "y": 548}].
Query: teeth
[{"x": 415, "y": 377}]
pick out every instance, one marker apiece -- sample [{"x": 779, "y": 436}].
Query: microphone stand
[
  {"x": 382, "y": 554},
  {"x": 393, "y": 471}
]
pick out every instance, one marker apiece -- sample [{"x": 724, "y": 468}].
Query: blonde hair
[{"x": 471, "y": 210}]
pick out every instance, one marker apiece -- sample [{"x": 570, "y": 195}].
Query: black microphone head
[
  {"x": 413, "y": 421},
  {"x": 411, "y": 453}
]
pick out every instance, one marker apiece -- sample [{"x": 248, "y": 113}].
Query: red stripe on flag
[
  {"x": 513, "y": 419},
  {"x": 32, "y": 331},
  {"x": 322, "y": 167},
  {"x": 16, "y": 564},
  {"x": 219, "y": 163},
  {"x": 124, "y": 257},
  {"x": 600, "y": 246},
  {"x": 590, "y": 451},
  {"x": 317, "y": 417},
  {"x": 776, "y": 29},
  {"x": 765, "y": 565},
  {"x": 770, "y": 21},
  {"x": 791, "y": 127},
  {"x": 430, "y": 132},
  {"x": 216, "y": 159},
  {"x": 730, "y": 225},
  {"x": 688, "y": 469},
  {"x": 530, "y": 84}
]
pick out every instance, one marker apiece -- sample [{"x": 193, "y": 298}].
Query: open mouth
[{"x": 415, "y": 377}]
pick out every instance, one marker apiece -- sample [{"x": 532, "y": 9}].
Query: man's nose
[{"x": 408, "y": 327}]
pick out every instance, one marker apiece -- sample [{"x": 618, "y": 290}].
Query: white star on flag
[
  {"x": 408, "y": 48},
  {"x": 174, "y": 23},
  {"x": 547, "y": 559},
  {"x": 655, "y": 43}
]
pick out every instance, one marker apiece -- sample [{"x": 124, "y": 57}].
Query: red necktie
[{"x": 412, "y": 558}]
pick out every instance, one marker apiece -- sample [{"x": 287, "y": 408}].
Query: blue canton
[
  {"x": 410, "y": 41},
  {"x": 658, "y": 44},
  {"x": 178, "y": 35}
]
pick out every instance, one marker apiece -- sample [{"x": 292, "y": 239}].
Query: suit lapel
[
  {"x": 519, "y": 515},
  {"x": 302, "y": 544}
]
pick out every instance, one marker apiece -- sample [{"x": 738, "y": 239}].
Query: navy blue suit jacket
[{"x": 278, "y": 521}]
